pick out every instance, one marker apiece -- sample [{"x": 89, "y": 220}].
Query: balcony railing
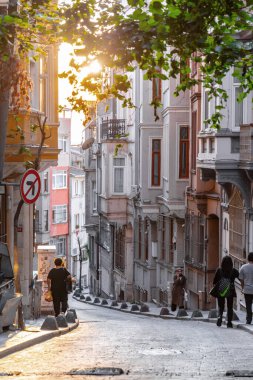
[{"x": 113, "y": 129}]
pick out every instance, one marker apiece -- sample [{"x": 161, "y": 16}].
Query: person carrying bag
[{"x": 224, "y": 289}]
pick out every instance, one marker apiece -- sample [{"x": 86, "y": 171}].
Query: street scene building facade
[
  {"x": 147, "y": 191},
  {"x": 170, "y": 193}
]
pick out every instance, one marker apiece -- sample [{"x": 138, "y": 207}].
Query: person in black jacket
[
  {"x": 57, "y": 282},
  {"x": 227, "y": 271}
]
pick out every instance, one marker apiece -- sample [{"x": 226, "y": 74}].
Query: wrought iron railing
[{"x": 113, "y": 129}]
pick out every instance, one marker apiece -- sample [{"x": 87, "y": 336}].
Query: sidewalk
[
  {"x": 158, "y": 311},
  {"x": 17, "y": 340}
]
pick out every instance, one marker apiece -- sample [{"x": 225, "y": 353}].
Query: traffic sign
[{"x": 30, "y": 186}]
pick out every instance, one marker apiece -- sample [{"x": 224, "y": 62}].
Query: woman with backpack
[{"x": 224, "y": 281}]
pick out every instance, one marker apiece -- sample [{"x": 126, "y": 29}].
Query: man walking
[
  {"x": 57, "y": 282},
  {"x": 246, "y": 278}
]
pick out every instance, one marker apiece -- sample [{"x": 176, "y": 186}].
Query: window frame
[
  {"x": 55, "y": 209},
  {"x": 59, "y": 173},
  {"x": 183, "y": 142},
  {"x": 156, "y": 153},
  {"x": 122, "y": 168}
]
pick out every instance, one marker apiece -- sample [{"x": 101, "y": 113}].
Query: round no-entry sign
[{"x": 30, "y": 186}]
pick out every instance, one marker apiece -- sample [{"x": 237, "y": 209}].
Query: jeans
[
  {"x": 248, "y": 302},
  {"x": 221, "y": 305},
  {"x": 60, "y": 304}
]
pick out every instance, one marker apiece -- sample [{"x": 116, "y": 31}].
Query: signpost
[{"x": 30, "y": 186}]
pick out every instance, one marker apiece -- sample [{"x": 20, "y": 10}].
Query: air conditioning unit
[{"x": 154, "y": 249}]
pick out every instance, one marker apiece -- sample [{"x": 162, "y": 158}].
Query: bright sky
[{"x": 65, "y": 90}]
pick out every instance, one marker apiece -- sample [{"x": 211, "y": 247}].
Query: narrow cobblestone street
[{"x": 143, "y": 347}]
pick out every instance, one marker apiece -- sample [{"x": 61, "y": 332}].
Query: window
[
  {"x": 206, "y": 110},
  {"x": 82, "y": 188},
  {"x": 94, "y": 196},
  {"x": 60, "y": 245},
  {"x": 37, "y": 221},
  {"x": 76, "y": 188},
  {"x": 212, "y": 146},
  {"x": 43, "y": 83},
  {"x": 119, "y": 169},
  {"x": 62, "y": 143},
  {"x": 45, "y": 216},
  {"x": 156, "y": 163},
  {"x": 184, "y": 152},
  {"x": 76, "y": 221},
  {"x": 34, "y": 94},
  {"x": 194, "y": 142},
  {"x": 60, "y": 179},
  {"x": 59, "y": 214},
  {"x": 45, "y": 180},
  {"x": 156, "y": 89}
]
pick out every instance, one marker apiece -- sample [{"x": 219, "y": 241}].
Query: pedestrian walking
[
  {"x": 178, "y": 290},
  {"x": 57, "y": 280},
  {"x": 227, "y": 274},
  {"x": 246, "y": 278}
]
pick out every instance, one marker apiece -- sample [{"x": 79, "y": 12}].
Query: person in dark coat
[
  {"x": 57, "y": 282},
  {"x": 178, "y": 290},
  {"x": 228, "y": 271}
]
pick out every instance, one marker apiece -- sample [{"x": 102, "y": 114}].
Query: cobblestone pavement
[{"x": 144, "y": 348}]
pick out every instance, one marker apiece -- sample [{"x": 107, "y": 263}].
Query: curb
[
  {"x": 38, "y": 339},
  {"x": 236, "y": 324}
]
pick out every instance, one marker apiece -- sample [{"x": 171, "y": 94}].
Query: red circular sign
[{"x": 30, "y": 186}]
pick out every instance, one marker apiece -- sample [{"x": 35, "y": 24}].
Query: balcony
[
  {"x": 113, "y": 129},
  {"x": 23, "y": 140}
]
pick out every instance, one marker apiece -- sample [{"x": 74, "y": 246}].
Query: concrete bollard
[
  {"x": 88, "y": 298},
  {"x": 70, "y": 317},
  {"x": 124, "y": 305},
  {"x": 164, "y": 311},
  {"x": 182, "y": 313},
  {"x": 50, "y": 323},
  {"x": 61, "y": 320},
  {"x": 82, "y": 297},
  {"x": 144, "y": 308},
  {"x": 96, "y": 300},
  {"x": 197, "y": 314},
  {"x": 213, "y": 313},
  {"x": 104, "y": 302},
  {"x": 135, "y": 307},
  {"x": 73, "y": 311}
]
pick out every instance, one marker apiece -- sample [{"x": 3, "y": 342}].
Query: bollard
[
  {"x": 197, "y": 314},
  {"x": 61, "y": 320},
  {"x": 70, "y": 317},
  {"x": 213, "y": 313},
  {"x": 96, "y": 300},
  {"x": 182, "y": 313},
  {"x": 135, "y": 307},
  {"x": 73, "y": 311},
  {"x": 104, "y": 302},
  {"x": 144, "y": 308},
  {"x": 164, "y": 311},
  {"x": 50, "y": 323},
  {"x": 124, "y": 305}
]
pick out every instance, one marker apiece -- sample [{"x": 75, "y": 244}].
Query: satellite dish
[{"x": 88, "y": 143}]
